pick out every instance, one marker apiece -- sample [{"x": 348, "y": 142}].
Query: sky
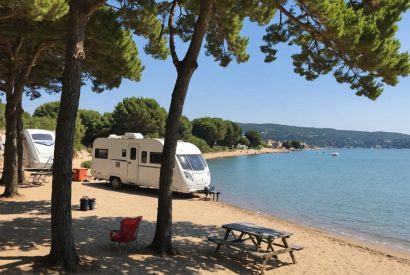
[{"x": 256, "y": 92}]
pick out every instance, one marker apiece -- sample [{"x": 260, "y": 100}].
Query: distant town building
[{"x": 274, "y": 143}]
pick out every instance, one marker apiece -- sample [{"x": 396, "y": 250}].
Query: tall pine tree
[
  {"x": 355, "y": 40},
  {"x": 33, "y": 43}
]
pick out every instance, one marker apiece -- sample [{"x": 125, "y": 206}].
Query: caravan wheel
[{"x": 116, "y": 183}]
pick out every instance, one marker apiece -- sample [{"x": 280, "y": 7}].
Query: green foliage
[
  {"x": 353, "y": 39},
  {"x": 2, "y": 118},
  {"x": 143, "y": 115},
  {"x": 111, "y": 53},
  {"x": 287, "y": 144},
  {"x": 254, "y": 138},
  {"x": 103, "y": 127},
  {"x": 296, "y": 144},
  {"x": 86, "y": 164},
  {"x": 233, "y": 133},
  {"x": 330, "y": 137},
  {"x": 210, "y": 129},
  {"x": 45, "y": 117},
  {"x": 49, "y": 109},
  {"x": 78, "y": 134},
  {"x": 91, "y": 120},
  {"x": 205, "y": 129},
  {"x": 45, "y": 122},
  {"x": 200, "y": 143},
  {"x": 244, "y": 140},
  {"x": 185, "y": 128},
  {"x": 220, "y": 128}
]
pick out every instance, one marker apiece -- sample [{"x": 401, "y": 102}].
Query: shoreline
[
  {"x": 366, "y": 245},
  {"x": 243, "y": 152}
]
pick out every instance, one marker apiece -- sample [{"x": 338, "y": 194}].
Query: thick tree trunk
[
  {"x": 20, "y": 126},
  {"x": 62, "y": 240},
  {"x": 10, "y": 152},
  {"x": 162, "y": 242},
  {"x": 162, "y": 239}
]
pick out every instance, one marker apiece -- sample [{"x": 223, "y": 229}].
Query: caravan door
[{"x": 132, "y": 169}]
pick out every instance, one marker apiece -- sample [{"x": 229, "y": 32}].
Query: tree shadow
[
  {"x": 141, "y": 191},
  {"x": 196, "y": 254},
  {"x": 8, "y": 207}
]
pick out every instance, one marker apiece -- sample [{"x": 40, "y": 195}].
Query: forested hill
[{"x": 326, "y": 137}]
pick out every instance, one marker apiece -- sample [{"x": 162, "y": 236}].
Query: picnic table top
[{"x": 253, "y": 229}]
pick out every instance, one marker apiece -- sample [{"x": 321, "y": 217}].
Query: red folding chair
[{"x": 127, "y": 233}]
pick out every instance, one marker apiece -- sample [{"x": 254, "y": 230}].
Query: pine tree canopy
[
  {"x": 353, "y": 40},
  {"x": 111, "y": 53}
]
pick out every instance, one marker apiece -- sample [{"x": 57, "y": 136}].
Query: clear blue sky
[{"x": 262, "y": 93}]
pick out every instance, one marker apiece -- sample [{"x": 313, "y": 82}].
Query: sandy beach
[
  {"x": 25, "y": 236},
  {"x": 243, "y": 152}
]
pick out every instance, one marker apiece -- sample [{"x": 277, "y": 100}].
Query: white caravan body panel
[
  {"x": 38, "y": 148},
  {"x": 137, "y": 161}
]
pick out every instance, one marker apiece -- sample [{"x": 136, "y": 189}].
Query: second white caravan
[
  {"x": 38, "y": 148},
  {"x": 135, "y": 160}
]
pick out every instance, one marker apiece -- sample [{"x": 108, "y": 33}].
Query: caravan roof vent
[
  {"x": 134, "y": 135},
  {"x": 113, "y": 136}
]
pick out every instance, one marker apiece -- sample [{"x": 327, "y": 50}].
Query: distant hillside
[{"x": 326, "y": 137}]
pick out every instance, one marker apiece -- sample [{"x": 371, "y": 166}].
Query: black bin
[
  {"x": 84, "y": 203},
  {"x": 91, "y": 203}
]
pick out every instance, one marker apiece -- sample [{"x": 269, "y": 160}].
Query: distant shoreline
[{"x": 243, "y": 152}]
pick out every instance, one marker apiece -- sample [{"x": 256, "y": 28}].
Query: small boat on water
[{"x": 335, "y": 154}]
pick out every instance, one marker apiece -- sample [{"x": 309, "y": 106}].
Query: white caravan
[
  {"x": 38, "y": 148},
  {"x": 135, "y": 160}
]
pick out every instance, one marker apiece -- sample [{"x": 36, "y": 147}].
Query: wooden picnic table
[{"x": 262, "y": 241}]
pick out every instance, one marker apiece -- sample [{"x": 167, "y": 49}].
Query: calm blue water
[{"x": 362, "y": 193}]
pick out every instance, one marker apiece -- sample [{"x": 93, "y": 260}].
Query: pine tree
[
  {"x": 353, "y": 39},
  {"x": 33, "y": 44}
]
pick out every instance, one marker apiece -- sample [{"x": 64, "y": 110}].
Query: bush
[
  {"x": 200, "y": 143},
  {"x": 259, "y": 147},
  {"x": 86, "y": 164}
]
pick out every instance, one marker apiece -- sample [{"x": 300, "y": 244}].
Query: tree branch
[
  {"x": 171, "y": 28},
  {"x": 91, "y": 8},
  {"x": 6, "y": 16},
  {"x": 200, "y": 29},
  {"x": 23, "y": 77},
  {"x": 319, "y": 36},
  {"x": 17, "y": 48}
]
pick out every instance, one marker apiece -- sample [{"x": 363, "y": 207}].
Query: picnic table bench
[{"x": 257, "y": 236}]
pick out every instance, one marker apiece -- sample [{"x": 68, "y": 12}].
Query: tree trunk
[
  {"x": 162, "y": 242},
  {"x": 62, "y": 240},
  {"x": 20, "y": 148},
  {"x": 10, "y": 152}
]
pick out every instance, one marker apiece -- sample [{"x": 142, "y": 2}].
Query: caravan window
[
  {"x": 155, "y": 157},
  {"x": 144, "y": 156},
  {"x": 192, "y": 162},
  {"x": 133, "y": 154},
  {"x": 101, "y": 153},
  {"x": 41, "y": 137}
]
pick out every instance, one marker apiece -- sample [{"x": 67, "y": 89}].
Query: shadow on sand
[
  {"x": 92, "y": 241},
  {"x": 141, "y": 191}
]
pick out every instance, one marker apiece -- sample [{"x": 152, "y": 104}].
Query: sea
[{"x": 361, "y": 193}]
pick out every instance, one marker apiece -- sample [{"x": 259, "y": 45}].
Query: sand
[
  {"x": 25, "y": 237},
  {"x": 243, "y": 152}
]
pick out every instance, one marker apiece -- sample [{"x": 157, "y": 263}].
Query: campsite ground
[{"x": 25, "y": 237}]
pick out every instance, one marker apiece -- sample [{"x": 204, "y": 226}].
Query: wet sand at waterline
[{"x": 25, "y": 236}]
